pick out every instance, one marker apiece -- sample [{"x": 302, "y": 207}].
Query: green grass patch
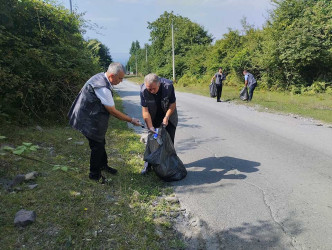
[{"x": 73, "y": 211}]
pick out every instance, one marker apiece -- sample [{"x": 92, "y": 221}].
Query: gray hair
[
  {"x": 115, "y": 68},
  {"x": 151, "y": 78}
]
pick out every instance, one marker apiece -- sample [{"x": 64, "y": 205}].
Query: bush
[
  {"x": 187, "y": 80},
  {"x": 44, "y": 60}
]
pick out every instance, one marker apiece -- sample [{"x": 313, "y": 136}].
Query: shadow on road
[{"x": 213, "y": 169}]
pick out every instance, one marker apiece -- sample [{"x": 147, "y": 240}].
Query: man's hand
[
  {"x": 165, "y": 120},
  {"x": 152, "y": 130},
  {"x": 135, "y": 122}
]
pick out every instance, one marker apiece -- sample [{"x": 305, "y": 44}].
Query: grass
[
  {"x": 128, "y": 212},
  {"x": 318, "y": 107}
]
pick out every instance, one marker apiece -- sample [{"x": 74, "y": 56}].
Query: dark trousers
[
  {"x": 98, "y": 157},
  {"x": 251, "y": 91},
  {"x": 219, "y": 91}
]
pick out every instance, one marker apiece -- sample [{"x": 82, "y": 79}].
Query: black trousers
[
  {"x": 251, "y": 91},
  {"x": 98, "y": 157},
  {"x": 219, "y": 91}
]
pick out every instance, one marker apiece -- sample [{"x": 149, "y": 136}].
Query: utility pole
[
  {"x": 146, "y": 53},
  {"x": 136, "y": 61},
  {"x": 173, "y": 52},
  {"x": 71, "y": 7}
]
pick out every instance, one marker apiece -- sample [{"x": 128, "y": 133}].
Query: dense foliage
[
  {"x": 101, "y": 52},
  {"x": 293, "y": 51},
  {"x": 159, "y": 54},
  {"x": 44, "y": 59}
]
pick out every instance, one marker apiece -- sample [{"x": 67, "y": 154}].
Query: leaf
[
  {"x": 21, "y": 147},
  {"x": 18, "y": 151},
  {"x": 28, "y": 144},
  {"x": 8, "y": 148},
  {"x": 64, "y": 168},
  {"x": 34, "y": 148},
  {"x": 56, "y": 167},
  {"x": 2, "y": 137}
]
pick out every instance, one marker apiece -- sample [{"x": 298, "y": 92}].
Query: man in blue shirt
[{"x": 250, "y": 82}]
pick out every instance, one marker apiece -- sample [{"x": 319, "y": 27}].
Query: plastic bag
[
  {"x": 244, "y": 94},
  {"x": 160, "y": 153},
  {"x": 213, "y": 89}
]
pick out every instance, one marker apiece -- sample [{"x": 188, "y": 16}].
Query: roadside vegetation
[
  {"x": 290, "y": 56},
  {"x": 44, "y": 61},
  {"x": 128, "y": 212},
  {"x": 318, "y": 106}
]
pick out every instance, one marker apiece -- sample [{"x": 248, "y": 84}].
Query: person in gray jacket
[
  {"x": 250, "y": 82},
  {"x": 158, "y": 106},
  {"x": 90, "y": 112}
]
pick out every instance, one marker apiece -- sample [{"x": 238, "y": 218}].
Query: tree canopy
[{"x": 292, "y": 50}]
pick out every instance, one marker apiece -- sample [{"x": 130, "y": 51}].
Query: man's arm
[
  {"x": 147, "y": 118},
  {"x": 213, "y": 78},
  {"x": 169, "y": 112},
  {"x": 245, "y": 80}
]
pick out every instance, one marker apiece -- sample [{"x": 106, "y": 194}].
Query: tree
[
  {"x": 101, "y": 52},
  {"x": 187, "y": 35}
]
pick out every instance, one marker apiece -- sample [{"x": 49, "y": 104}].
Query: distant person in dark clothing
[
  {"x": 218, "y": 78},
  {"x": 158, "y": 106},
  {"x": 90, "y": 112},
  {"x": 250, "y": 82}
]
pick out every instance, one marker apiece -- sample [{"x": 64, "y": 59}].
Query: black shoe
[
  {"x": 109, "y": 170},
  {"x": 218, "y": 100},
  {"x": 146, "y": 169},
  {"x": 97, "y": 177}
]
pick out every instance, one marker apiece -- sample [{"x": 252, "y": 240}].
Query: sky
[{"x": 120, "y": 22}]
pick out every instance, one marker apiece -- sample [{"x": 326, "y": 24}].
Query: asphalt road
[{"x": 257, "y": 180}]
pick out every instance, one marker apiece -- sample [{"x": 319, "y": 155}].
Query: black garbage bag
[
  {"x": 213, "y": 89},
  {"x": 160, "y": 153},
  {"x": 244, "y": 94}
]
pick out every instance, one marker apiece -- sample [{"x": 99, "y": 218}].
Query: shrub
[{"x": 44, "y": 60}]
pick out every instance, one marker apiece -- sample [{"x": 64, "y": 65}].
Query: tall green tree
[
  {"x": 101, "y": 52},
  {"x": 187, "y": 35},
  {"x": 302, "y": 30}
]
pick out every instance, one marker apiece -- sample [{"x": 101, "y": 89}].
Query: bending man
[
  {"x": 158, "y": 106},
  {"x": 90, "y": 112},
  {"x": 250, "y": 82}
]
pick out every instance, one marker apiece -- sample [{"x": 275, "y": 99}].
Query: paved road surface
[{"x": 257, "y": 180}]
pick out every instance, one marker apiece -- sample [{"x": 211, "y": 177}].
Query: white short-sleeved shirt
[{"x": 105, "y": 95}]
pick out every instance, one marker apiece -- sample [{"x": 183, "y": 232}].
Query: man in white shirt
[{"x": 90, "y": 113}]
